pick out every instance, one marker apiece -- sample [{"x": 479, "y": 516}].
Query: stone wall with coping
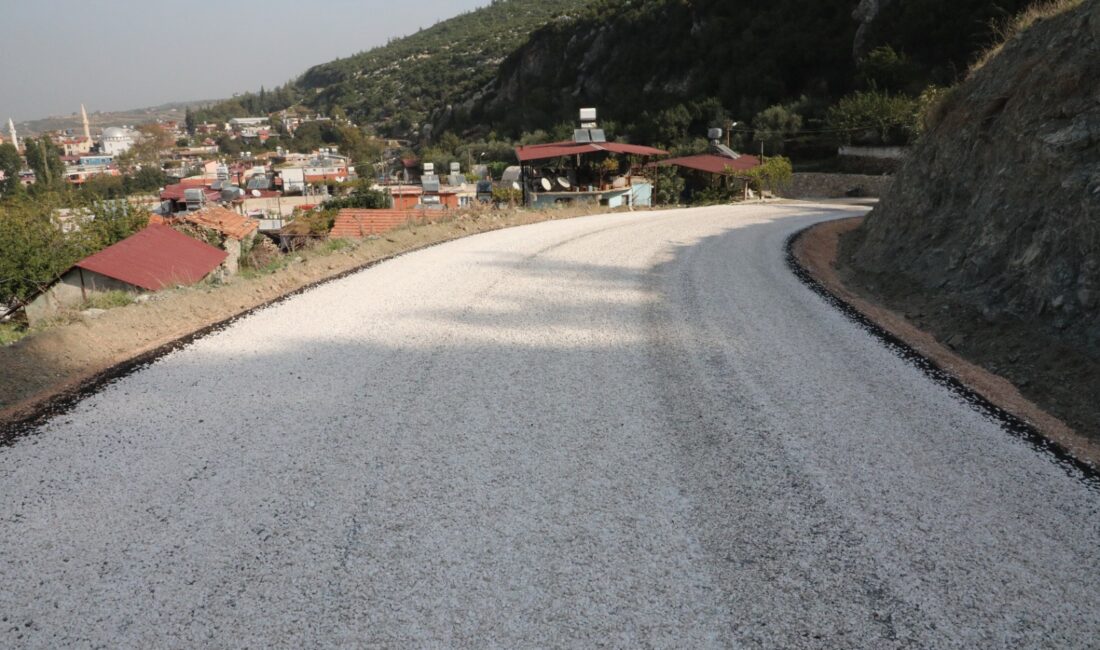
[{"x": 807, "y": 185}]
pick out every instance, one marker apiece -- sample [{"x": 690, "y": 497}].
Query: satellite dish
[
  {"x": 256, "y": 193},
  {"x": 563, "y": 182},
  {"x": 546, "y": 185}
]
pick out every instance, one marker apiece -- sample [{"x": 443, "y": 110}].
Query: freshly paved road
[{"x": 636, "y": 430}]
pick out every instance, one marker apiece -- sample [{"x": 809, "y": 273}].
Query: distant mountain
[{"x": 100, "y": 120}]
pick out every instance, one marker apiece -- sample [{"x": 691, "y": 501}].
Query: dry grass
[{"x": 1007, "y": 30}]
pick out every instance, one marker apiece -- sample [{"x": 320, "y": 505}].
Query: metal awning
[{"x": 569, "y": 148}]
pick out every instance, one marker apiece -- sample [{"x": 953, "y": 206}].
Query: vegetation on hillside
[{"x": 661, "y": 71}]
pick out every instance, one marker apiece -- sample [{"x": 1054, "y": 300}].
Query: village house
[{"x": 152, "y": 259}]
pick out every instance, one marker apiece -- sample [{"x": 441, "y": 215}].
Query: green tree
[
  {"x": 189, "y": 122},
  {"x": 884, "y": 69},
  {"x": 152, "y": 141},
  {"x": 874, "y": 118},
  {"x": 774, "y": 125},
  {"x": 33, "y": 250},
  {"x": 44, "y": 158},
  {"x": 11, "y": 164},
  {"x": 109, "y": 222},
  {"x": 668, "y": 186}
]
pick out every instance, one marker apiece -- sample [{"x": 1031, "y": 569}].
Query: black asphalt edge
[
  {"x": 57, "y": 405},
  {"x": 1009, "y": 422}
]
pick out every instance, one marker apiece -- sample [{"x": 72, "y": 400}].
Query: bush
[
  {"x": 771, "y": 176},
  {"x": 874, "y": 118},
  {"x": 362, "y": 197},
  {"x": 507, "y": 195}
]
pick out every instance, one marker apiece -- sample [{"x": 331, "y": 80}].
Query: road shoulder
[{"x": 814, "y": 252}]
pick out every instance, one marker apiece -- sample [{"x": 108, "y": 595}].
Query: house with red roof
[{"x": 151, "y": 259}]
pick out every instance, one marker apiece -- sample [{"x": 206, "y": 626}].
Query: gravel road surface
[{"x": 633, "y": 430}]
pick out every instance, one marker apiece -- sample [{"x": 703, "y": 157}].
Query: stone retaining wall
[{"x": 832, "y": 186}]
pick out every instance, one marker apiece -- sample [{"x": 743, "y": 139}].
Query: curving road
[{"x": 636, "y": 430}]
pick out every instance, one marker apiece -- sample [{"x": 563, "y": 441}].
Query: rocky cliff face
[
  {"x": 628, "y": 58},
  {"x": 998, "y": 208}
]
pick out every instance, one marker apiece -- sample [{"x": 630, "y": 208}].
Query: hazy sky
[{"x": 122, "y": 54}]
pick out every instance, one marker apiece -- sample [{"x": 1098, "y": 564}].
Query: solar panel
[
  {"x": 727, "y": 152},
  {"x": 582, "y": 136},
  {"x": 598, "y": 135}
]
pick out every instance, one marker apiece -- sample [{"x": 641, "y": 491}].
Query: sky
[{"x": 123, "y": 54}]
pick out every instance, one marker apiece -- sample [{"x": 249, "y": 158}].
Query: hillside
[
  {"x": 397, "y": 86},
  {"x": 628, "y": 56},
  {"x": 518, "y": 66},
  {"x": 990, "y": 234}
]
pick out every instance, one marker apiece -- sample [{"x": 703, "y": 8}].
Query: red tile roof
[
  {"x": 154, "y": 258},
  {"x": 356, "y": 224},
  {"x": 226, "y": 222}
]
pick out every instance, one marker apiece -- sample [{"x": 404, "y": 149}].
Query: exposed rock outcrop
[
  {"x": 998, "y": 208},
  {"x": 865, "y": 13}
]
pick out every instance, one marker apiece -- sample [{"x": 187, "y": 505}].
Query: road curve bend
[{"x": 630, "y": 430}]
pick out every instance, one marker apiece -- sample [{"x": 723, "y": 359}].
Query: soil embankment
[{"x": 989, "y": 237}]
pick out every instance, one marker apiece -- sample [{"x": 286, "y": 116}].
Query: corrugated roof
[
  {"x": 570, "y": 148},
  {"x": 175, "y": 192},
  {"x": 226, "y": 222},
  {"x": 714, "y": 164},
  {"x": 154, "y": 258}
]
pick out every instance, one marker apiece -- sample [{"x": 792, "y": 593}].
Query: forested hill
[
  {"x": 630, "y": 56},
  {"x": 518, "y": 66},
  {"x": 397, "y": 86}
]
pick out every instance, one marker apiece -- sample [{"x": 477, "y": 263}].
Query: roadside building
[
  {"x": 720, "y": 162},
  {"x": 235, "y": 230},
  {"x": 150, "y": 260}
]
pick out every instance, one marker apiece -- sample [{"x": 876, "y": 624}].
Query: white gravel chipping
[{"x": 626, "y": 431}]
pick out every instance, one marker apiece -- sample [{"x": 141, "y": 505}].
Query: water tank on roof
[{"x": 430, "y": 183}]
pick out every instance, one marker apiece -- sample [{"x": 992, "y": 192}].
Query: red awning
[
  {"x": 713, "y": 164},
  {"x": 569, "y": 148}
]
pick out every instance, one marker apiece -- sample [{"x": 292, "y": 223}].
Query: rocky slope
[
  {"x": 628, "y": 57},
  {"x": 994, "y": 221}
]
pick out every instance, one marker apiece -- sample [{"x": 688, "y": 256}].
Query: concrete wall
[
  {"x": 891, "y": 153},
  {"x": 833, "y": 186},
  {"x": 274, "y": 205},
  {"x": 76, "y": 286}
]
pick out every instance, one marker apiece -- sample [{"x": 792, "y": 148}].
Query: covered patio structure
[
  {"x": 553, "y": 173},
  {"x": 721, "y": 161}
]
